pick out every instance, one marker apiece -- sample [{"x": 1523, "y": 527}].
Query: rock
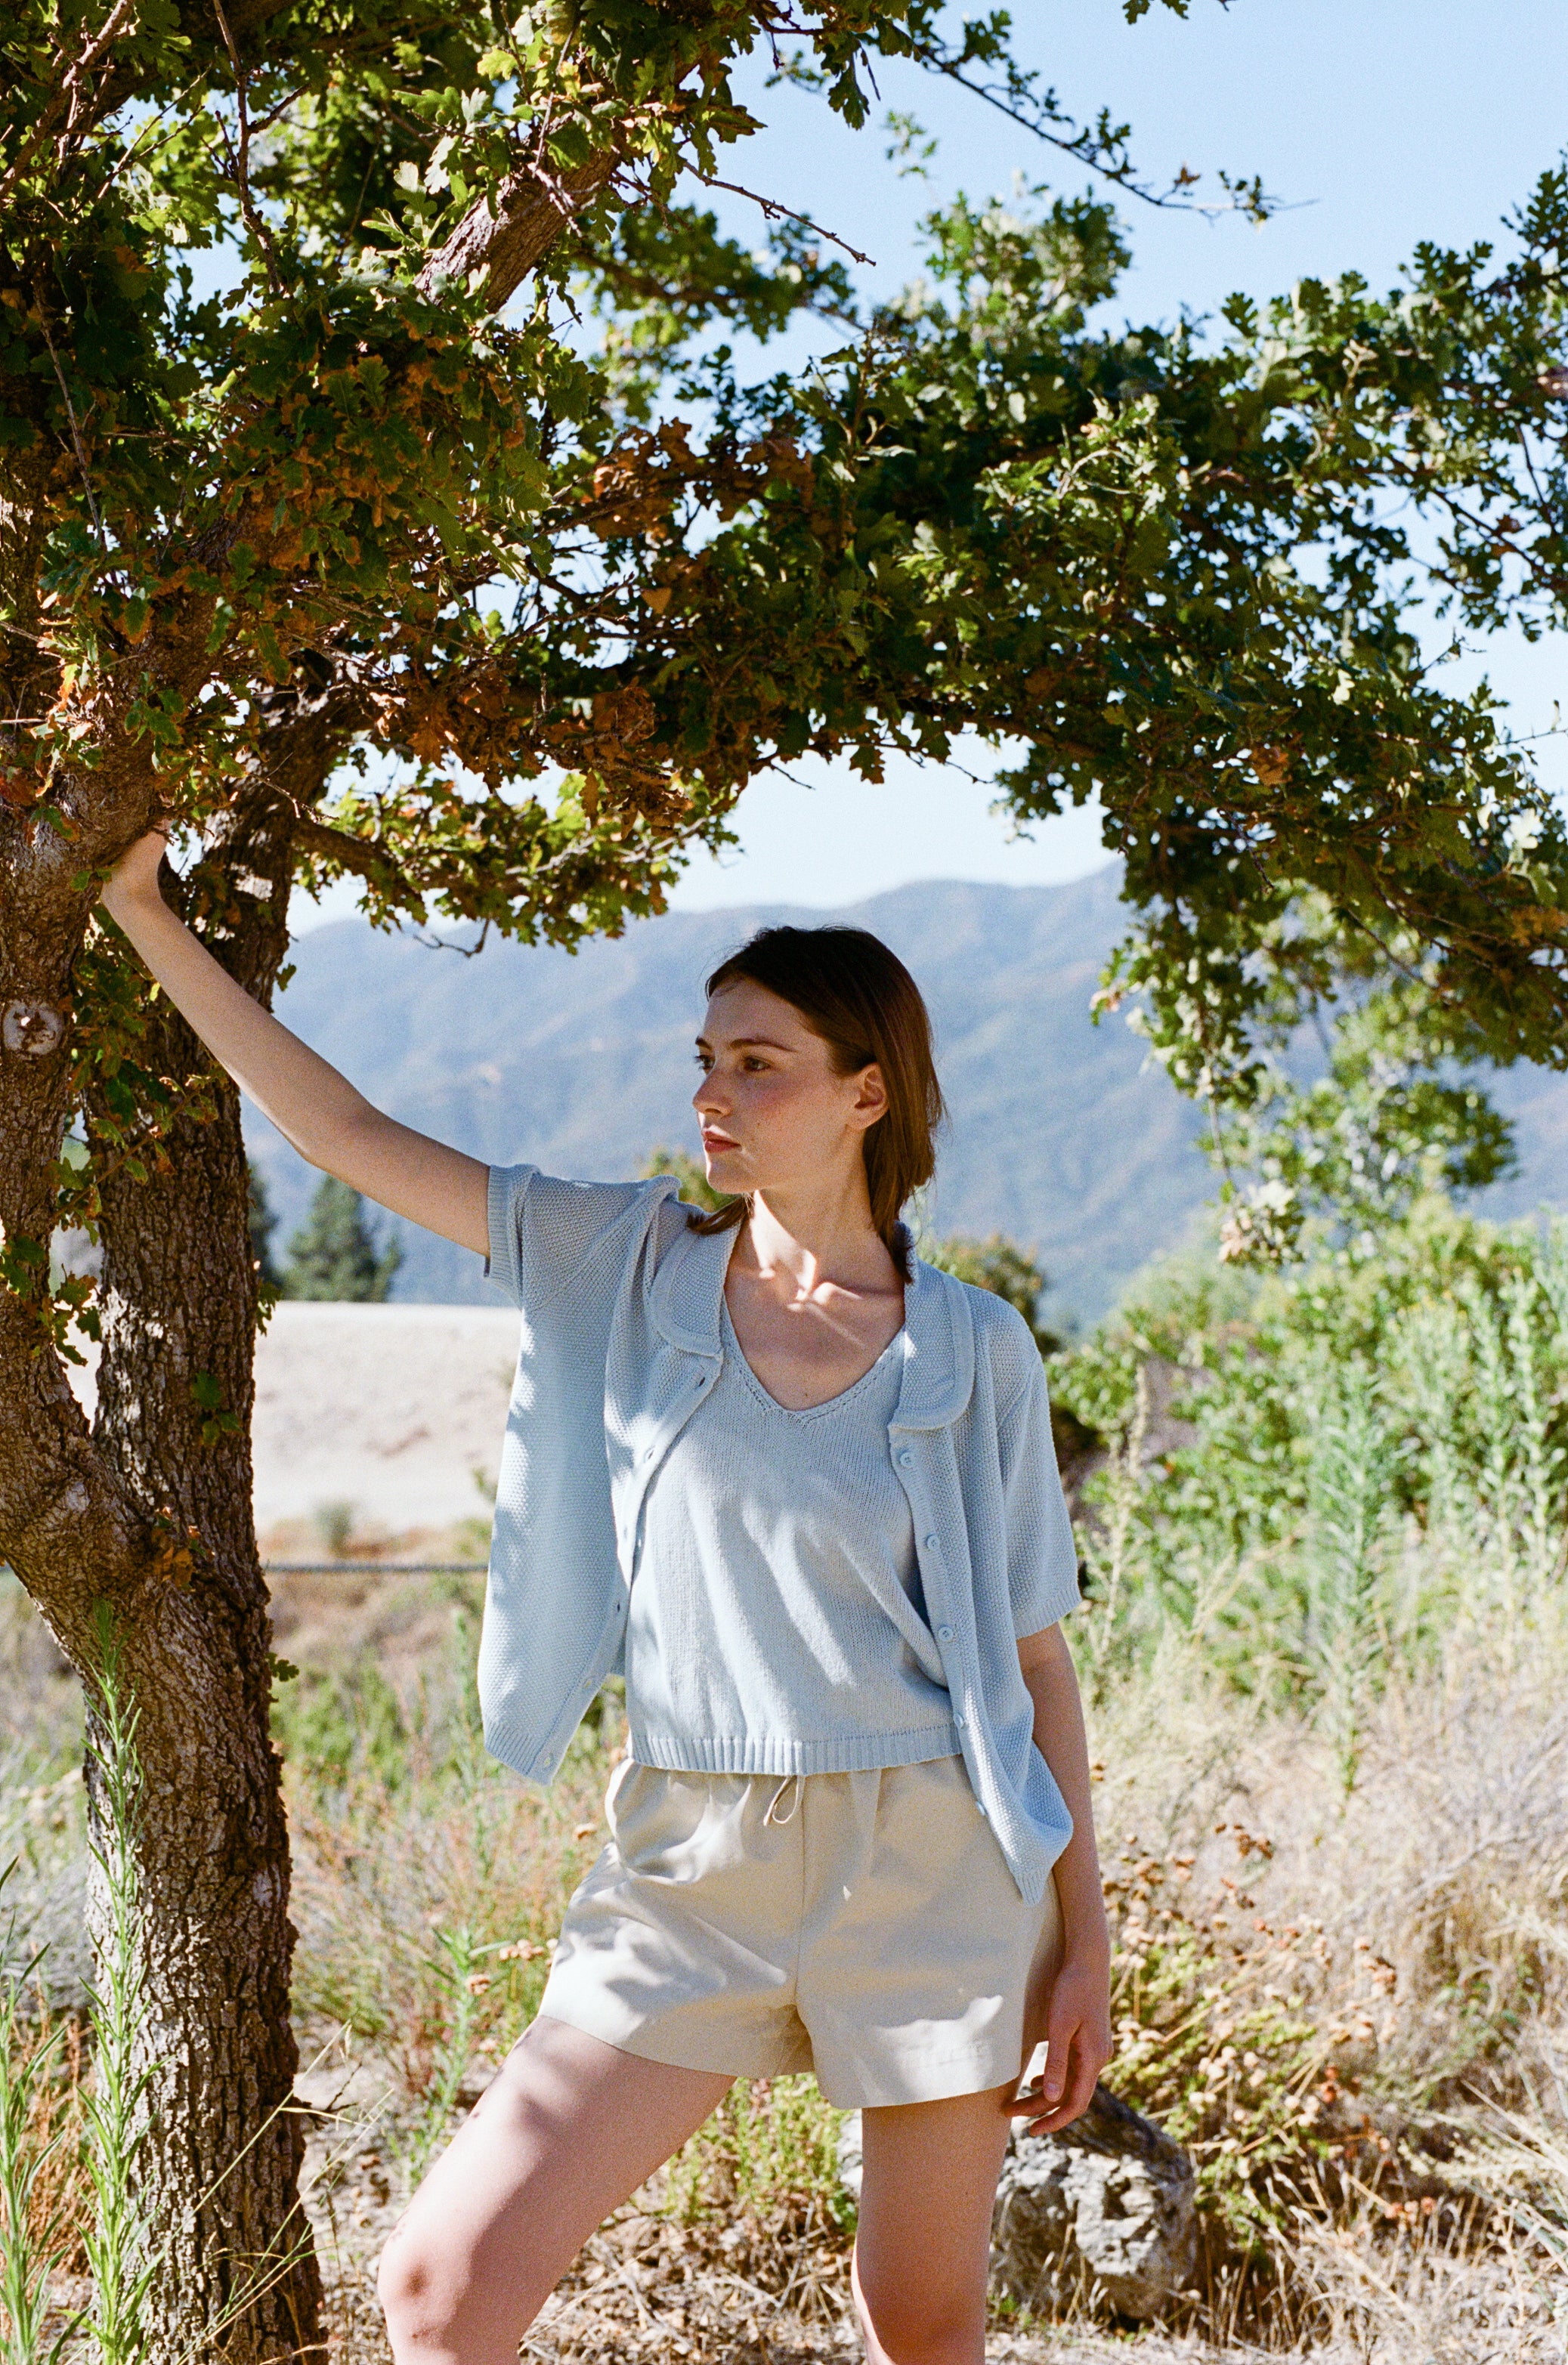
[
  {"x": 850, "y": 2153},
  {"x": 1109, "y": 2202}
]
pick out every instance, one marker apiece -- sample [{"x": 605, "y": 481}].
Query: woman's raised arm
[{"x": 315, "y": 1108}]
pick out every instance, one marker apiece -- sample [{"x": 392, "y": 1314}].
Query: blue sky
[{"x": 1377, "y": 123}]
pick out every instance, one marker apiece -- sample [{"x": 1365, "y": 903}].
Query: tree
[
  {"x": 1348, "y": 1154},
  {"x": 999, "y": 1265},
  {"x": 334, "y": 1254},
  {"x": 263, "y": 1225},
  {"x": 354, "y": 570}
]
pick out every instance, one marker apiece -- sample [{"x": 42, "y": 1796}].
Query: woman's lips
[{"x": 719, "y": 1141}]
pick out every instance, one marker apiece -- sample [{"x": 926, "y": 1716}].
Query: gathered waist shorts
[{"x": 864, "y": 1927}]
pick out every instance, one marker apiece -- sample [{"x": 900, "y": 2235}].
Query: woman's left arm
[{"x": 1078, "y": 2029}]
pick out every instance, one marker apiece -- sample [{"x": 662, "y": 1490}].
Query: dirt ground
[
  {"x": 393, "y": 1411},
  {"x": 646, "y": 2287}
]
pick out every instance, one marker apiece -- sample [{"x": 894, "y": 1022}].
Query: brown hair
[{"x": 868, "y": 1009}]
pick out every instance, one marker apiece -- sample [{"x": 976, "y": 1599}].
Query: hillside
[{"x": 1061, "y": 1135}]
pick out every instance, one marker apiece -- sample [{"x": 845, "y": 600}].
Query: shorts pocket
[{"x": 655, "y": 1817}]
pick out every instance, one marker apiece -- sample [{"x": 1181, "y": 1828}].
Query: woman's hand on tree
[{"x": 134, "y": 878}]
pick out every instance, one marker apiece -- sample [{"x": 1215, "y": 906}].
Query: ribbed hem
[{"x": 864, "y": 1752}]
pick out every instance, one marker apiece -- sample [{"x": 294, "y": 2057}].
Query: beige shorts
[{"x": 862, "y": 1925}]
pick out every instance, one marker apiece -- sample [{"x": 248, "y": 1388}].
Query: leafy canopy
[{"x": 359, "y": 565}]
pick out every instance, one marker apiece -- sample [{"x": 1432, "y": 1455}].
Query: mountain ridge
[{"x": 1061, "y": 1133}]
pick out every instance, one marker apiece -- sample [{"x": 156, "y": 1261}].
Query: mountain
[{"x": 1061, "y": 1133}]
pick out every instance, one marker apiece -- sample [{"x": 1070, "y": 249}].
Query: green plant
[
  {"x": 1213, "y": 2038},
  {"x": 121, "y": 2246},
  {"x": 462, "y": 1983},
  {"x": 410, "y": 1839},
  {"x": 335, "y": 1523},
  {"x": 1347, "y": 1489},
  {"x": 1335, "y": 1462},
  {"x": 37, "y": 2230},
  {"x": 769, "y": 2149}
]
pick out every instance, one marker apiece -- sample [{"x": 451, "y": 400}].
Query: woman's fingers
[
  {"x": 1076, "y": 2048},
  {"x": 136, "y": 872}
]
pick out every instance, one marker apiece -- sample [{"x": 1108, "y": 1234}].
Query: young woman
[{"x": 800, "y": 1488}]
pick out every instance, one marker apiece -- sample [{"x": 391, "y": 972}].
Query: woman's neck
[{"x": 813, "y": 1242}]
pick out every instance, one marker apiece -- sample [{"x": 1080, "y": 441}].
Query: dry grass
[
  {"x": 1354, "y": 2009},
  {"x": 1435, "y": 1895},
  {"x": 1374, "y": 2021}
]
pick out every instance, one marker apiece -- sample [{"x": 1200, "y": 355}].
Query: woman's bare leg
[
  {"x": 569, "y": 2129},
  {"x": 921, "y": 2256}
]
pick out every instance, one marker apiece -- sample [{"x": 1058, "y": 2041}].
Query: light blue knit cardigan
[{"x": 621, "y": 1304}]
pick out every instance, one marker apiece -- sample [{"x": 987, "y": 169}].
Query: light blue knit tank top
[{"x": 777, "y": 1622}]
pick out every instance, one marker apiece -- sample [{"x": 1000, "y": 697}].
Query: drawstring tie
[{"x": 773, "y": 1816}]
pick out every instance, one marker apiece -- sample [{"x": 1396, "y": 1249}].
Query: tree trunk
[
  {"x": 221, "y": 2157},
  {"x": 151, "y": 1513}
]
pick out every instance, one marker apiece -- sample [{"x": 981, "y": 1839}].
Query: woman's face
[{"x": 775, "y": 1116}]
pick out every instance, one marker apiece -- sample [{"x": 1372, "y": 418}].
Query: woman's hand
[
  {"x": 134, "y": 878},
  {"x": 1078, "y": 2043},
  {"x": 1078, "y": 2016}
]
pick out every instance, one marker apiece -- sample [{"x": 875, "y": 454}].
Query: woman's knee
[
  {"x": 434, "y": 2304},
  {"x": 906, "y": 2322},
  {"x": 420, "y": 2294}
]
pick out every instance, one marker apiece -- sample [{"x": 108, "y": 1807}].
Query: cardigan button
[
  {"x": 931, "y": 1542},
  {"x": 905, "y": 1459},
  {"x": 944, "y": 1633}
]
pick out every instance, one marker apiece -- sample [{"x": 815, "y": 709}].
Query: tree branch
[
  {"x": 507, "y": 239},
  {"x": 94, "y": 47},
  {"x": 356, "y": 854},
  {"x": 240, "y": 161}
]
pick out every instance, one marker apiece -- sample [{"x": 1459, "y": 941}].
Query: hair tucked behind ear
[{"x": 868, "y": 1009}]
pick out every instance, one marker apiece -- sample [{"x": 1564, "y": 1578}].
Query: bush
[{"x": 1325, "y": 1470}]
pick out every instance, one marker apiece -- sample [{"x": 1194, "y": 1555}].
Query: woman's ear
[{"x": 870, "y": 1098}]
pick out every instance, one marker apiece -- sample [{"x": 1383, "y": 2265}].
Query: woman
[{"x": 800, "y": 1486}]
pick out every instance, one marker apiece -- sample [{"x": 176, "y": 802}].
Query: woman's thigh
[
  {"x": 923, "y": 2250},
  {"x": 569, "y": 2129}
]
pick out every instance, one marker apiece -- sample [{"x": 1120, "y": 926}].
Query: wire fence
[{"x": 375, "y": 1567}]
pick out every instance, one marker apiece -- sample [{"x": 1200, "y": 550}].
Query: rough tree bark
[
  {"x": 507, "y": 240},
  {"x": 149, "y": 1510},
  {"x": 178, "y": 1295}
]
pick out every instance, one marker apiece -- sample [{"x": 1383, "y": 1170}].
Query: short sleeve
[
  {"x": 544, "y": 1230},
  {"x": 1042, "y": 1554}
]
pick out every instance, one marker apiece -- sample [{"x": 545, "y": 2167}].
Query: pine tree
[
  {"x": 263, "y": 1224},
  {"x": 335, "y": 1254}
]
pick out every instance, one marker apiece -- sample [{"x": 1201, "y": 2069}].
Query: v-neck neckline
[{"x": 798, "y": 1412}]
